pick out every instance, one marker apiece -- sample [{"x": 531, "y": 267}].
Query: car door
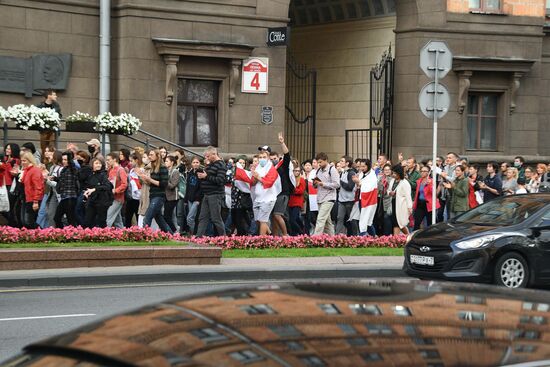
[{"x": 542, "y": 242}]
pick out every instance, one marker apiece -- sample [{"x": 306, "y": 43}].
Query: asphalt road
[{"x": 29, "y": 315}]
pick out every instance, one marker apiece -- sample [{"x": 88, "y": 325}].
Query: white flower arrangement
[
  {"x": 27, "y": 117},
  {"x": 122, "y": 124},
  {"x": 3, "y": 114},
  {"x": 80, "y": 117}
]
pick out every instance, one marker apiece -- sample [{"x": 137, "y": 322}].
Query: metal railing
[
  {"x": 363, "y": 143},
  {"x": 148, "y": 141}
]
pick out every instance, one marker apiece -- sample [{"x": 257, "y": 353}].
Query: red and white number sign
[{"x": 255, "y": 75}]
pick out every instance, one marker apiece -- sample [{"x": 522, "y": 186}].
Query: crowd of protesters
[{"x": 267, "y": 194}]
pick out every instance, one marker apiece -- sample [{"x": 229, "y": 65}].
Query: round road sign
[{"x": 426, "y": 100}]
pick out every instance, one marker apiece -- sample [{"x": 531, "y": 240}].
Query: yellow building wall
[{"x": 343, "y": 55}]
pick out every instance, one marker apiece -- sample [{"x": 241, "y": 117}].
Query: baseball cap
[
  {"x": 265, "y": 147},
  {"x": 94, "y": 142}
]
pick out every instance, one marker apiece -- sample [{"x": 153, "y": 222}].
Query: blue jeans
[
  {"x": 42, "y": 219},
  {"x": 296, "y": 224},
  {"x": 155, "y": 212},
  {"x": 193, "y": 207}
]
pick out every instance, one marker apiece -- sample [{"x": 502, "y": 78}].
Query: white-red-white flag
[
  {"x": 368, "y": 199},
  {"x": 243, "y": 179}
]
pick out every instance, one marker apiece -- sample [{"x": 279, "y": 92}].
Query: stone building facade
[
  {"x": 176, "y": 65},
  {"x": 498, "y": 83}
]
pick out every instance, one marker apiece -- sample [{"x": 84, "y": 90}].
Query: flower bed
[
  {"x": 322, "y": 241},
  {"x": 136, "y": 234},
  {"x": 79, "y": 234}
]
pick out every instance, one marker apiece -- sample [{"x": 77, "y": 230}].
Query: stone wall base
[{"x": 53, "y": 258}]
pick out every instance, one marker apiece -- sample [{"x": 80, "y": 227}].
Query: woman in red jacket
[
  {"x": 296, "y": 202},
  {"x": 8, "y": 166},
  {"x": 474, "y": 178},
  {"x": 422, "y": 205},
  {"x": 33, "y": 182}
]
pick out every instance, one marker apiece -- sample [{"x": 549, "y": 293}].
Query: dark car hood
[
  {"x": 397, "y": 323},
  {"x": 442, "y": 234}
]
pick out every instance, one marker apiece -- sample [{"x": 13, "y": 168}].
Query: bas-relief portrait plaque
[{"x": 32, "y": 75}]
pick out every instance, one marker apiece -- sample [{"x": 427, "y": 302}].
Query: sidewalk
[{"x": 229, "y": 269}]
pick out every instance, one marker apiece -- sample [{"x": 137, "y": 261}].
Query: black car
[
  {"x": 359, "y": 323},
  {"x": 504, "y": 241}
]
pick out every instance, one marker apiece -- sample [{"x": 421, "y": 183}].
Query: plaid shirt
[{"x": 67, "y": 183}]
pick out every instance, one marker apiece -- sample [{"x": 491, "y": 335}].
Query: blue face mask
[{"x": 263, "y": 162}]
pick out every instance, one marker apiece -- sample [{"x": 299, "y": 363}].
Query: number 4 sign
[{"x": 255, "y": 75}]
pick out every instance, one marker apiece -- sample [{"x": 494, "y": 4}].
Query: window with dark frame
[
  {"x": 481, "y": 128},
  {"x": 197, "y": 112},
  {"x": 485, "y": 6}
]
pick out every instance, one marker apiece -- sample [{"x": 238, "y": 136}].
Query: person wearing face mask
[
  {"x": 82, "y": 160},
  {"x": 99, "y": 196},
  {"x": 94, "y": 147},
  {"x": 266, "y": 186}
]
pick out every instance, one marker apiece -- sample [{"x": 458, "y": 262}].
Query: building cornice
[
  {"x": 183, "y": 47},
  {"x": 502, "y": 64},
  {"x": 161, "y": 9},
  {"x": 466, "y": 31}
]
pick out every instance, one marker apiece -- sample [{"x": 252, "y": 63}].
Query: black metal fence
[
  {"x": 300, "y": 106},
  {"x": 362, "y": 143},
  {"x": 141, "y": 138},
  {"x": 377, "y": 138}
]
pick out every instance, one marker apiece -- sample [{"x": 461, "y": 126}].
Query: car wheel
[{"x": 512, "y": 271}]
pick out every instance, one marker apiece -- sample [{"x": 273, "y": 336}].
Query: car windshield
[{"x": 504, "y": 212}]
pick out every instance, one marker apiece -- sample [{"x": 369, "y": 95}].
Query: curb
[
  {"x": 78, "y": 257},
  {"x": 202, "y": 275}
]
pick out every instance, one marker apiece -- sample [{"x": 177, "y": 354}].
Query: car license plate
[{"x": 422, "y": 260}]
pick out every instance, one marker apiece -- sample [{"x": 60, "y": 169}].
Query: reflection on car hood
[
  {"x": 444, "y": 233},
  {"x": 394, "y": 323}
]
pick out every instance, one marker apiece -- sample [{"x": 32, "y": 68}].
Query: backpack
[
  {"x": 329, "y": 168},
  {"x": 182, "y": 184},
  {"x": 545, "y": 183}
]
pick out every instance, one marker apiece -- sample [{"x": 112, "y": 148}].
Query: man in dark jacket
[
  {"x": 213, "y": 187},
  {"x": 47, "y": 137}
]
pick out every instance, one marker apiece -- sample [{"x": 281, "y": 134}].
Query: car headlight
[{"x": 477, "y": 242}]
